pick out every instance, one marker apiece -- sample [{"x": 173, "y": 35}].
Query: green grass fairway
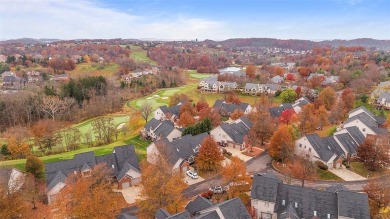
[
  {"x": 140, "y": 147},
  {"x": 139, "y": 54},
  {"x": 196, "y": 75},
  {"x": 91, "y": 69}
]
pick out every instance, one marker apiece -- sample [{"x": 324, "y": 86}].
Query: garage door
[{"x": 125, "y": 185}]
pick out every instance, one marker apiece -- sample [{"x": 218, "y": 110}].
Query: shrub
[{"x": 321, "y": 165}]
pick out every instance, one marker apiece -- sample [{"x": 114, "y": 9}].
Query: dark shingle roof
[
  {"x": 175, "y": 110},
  {"x": 152, "y": 124},
  {"x": 277, "y": 111},
  {"x": 233, "y": 209},
  {"x": 353, "y": 204},
  {"x": 181, "y": 215},
  {"x": 289, "y": 213},
  {"x": 308, "y": 200},
  {"x": 236, "y": 131},
  {"x": 164, "y": 130},
  {"x": 334, "y": 146},
  {"x": 364, "y": 118},
  {"x": 265, "y": 187},
  {"x": 356, "y": 134},
  {"x": 246, "y": 121},
  {"x": 347, "y": 141},
  {"x": 368, "y": 112},
  {"x": 198, "y": 204},
  {"x": 380, "y": 120},
  {"x": 122, "y": 156},
  {"x": 379, "y": 131},
  {"x": 161, "y": 213},
  {"x": 322, "y": 150},
  {"x": 229, "y": 107}
]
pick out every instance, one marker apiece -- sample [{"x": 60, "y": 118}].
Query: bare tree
[
  {"x": 146, "y": 109},
  {"x": 53, "y": 105}
]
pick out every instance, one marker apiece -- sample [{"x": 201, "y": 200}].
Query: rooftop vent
[
  {"x": 283, "y": 202},
  {"x": 296, "y": 204}
]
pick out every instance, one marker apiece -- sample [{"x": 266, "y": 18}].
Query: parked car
[
  {"x": 192, "y": 174},
  {"x": 218, "y": 189}
]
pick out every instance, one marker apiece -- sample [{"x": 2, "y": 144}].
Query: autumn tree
[
  {"x": 12, "y": 201},
  {"x": 373, "y": 155},
  {"x": 288, "y": 116},
  {"x": 322, "y": 116},
  {"x": 202, "y": 104},
  {"x": 328, "y": 97},
  {"x": 236, "y": 114},
  {"x": 87, "y": 197},
  {"x": 338, "y": 112},
  {"x": 53, "y": 105},
  {"x": 178, "y": 98},
  {"x": 302, "y": 169},
  {"x": 46, "y": 135},
  {"x": 188, "y": 107},
  {"x": 71, "y": 138},
  {"x": 210, "y": 114},
  {"x": 304, "y": 71},
  {"x": 308, "y": 122},
  {"x": 262, "y": 128},
  {"x": 282, "y": 143},
  {"x": 251, "y": 71},
  {"x": 233, "y": 98},
  {"x": 146, "y": 109},
  {"x": 135, "y": 120},
  {"x": 210, "y": 156},
  {"x": 104, "y": 129},
  {"x": 348, "y": 98},
  {"x": 17, "y": 141},
  {"x": 186, "y": 119},
  {"x": 162, "y": 187},
  {"x": 235, "y": 173},
  {"x": 288, "y": 96},
  {"x": 378, "y": 192},
  {"x": 35, "y": 167}
]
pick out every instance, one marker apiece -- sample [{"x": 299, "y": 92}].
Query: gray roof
[
  {"x": 161, "y": 213},
  {"x": 353, "y": 204},
  {"x": 348, "y": 143},
  {"x": 122, "y": 157},
  {"x": 273, "y": 87},
  {"x": 218, "y": 103},
  {"x": 182, "y": 148},
  {"x": 386, "y": 96},
  {"x": 250, "y": 86},
  {"x": 334, "y": 146},
  {"x": 380, "y": 119},
  {"x": 198, "y": 204},
  {"x": 246, "y": 121},
  {"x": 164, "y": 129},
  {"x": 379, "y": 131},
  {"x": 152, "y": 124},
  {"x": 289, "y": 213},
  {"x": 174, "y": 110},
  {"x": 277, "y": 111},
  {"x": 180, "y": 215},
  {"x": 318, "y": 145},
  {"x": 277, "y": 79},
  {"x": 229, "y": 107},
  {"x": 336, "y": 200},
  {"x": 301, "y": 102},
  {"x": 364, "y": 118},
  {"x": 236, "y": 131},
  {"x": 364, "y": 109},
  {"x": 356, "y": 134},
  {"x": 265, "y": 187}
]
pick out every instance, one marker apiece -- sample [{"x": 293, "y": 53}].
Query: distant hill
[
  {"x": 29, "y": 41},
  {"x": 253, "y": 43}
]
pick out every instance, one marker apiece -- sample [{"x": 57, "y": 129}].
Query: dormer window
[{"x": 87, "y": 173}]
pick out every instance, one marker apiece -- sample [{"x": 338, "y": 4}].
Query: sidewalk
[{"x": 347, "y": 175}]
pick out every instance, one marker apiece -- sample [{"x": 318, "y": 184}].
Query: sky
[{"x": 195, "y": 19}]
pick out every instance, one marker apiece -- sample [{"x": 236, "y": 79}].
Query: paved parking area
[
  {"x": 237, "y": 152},
  {"x": 346, "y": 174},
  {"x": 191, "y": 181},
  {"x": 130, "y": 194}
]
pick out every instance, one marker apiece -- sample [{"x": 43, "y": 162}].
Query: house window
[
  {"x": 265, "y": 215},
  {"x": 296, "y": 204},
  {"x": 283, "y": 202},
  {"x": 87, "y": 173},
  {"x": 266, "y": 204},
  {"x": 300, "y": 145},
  {"x": 309, "y": 149},
  {"x": 364, "y": 129}
]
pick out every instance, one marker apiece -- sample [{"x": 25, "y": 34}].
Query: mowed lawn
[
  {"x": 92, "y": 69},
  {"x": 139, "y": 54},
  {"x": 140, "y": 148}
]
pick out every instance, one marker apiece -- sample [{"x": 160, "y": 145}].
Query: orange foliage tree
[
  {"x": 210, "y": 156},
  {"x": 233, "y": 98},
  {"x": 162, "y": 187},
  {"x": 288, "y": 116},
  {"x": 88, "y": 197},
  {"x": 262, "y": 128},
  {"x": 236, "y": 114},
  {"x": 282, "y": 143},
  {"x": 213, "y": 115},
  {"x": 328, "y": 97},
  {"x": 17, "y": 139},
  {"x": 308, "y": 122},
  {"x": 348, "y": 98},
  {"x": 302, "y": 169},
  {"x": 251, "y": 71},
  {"x": 186, "y": 119},
  {"x": 235, "y": 173}
]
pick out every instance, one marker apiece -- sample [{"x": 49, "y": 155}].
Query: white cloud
[{"x": 72, "y": 19}]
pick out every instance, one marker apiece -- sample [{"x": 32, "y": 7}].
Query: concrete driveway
[
  {"x": 130, "y": 194},
  {"x": 346, "y": 174},
  {"x": 237, "y": 152},
  {"x": 191, "y": 181}
]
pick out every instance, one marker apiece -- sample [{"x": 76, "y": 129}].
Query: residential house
[
  {"x": 122, "y": 161},
  {"x": 298, "y": 104},
  {"x": 11, "y": 178},
  {"x": 12, "y": 80},
  {"x": 330, "y": 80},
  {"x": 256, "y": 89},
  {"x": 277, "y": 79},
  {"x": 226, "y": 109},
  {"x": 61, "y": 77},
  {"x": 365, "y": 121},
  {"x": 7, "y": 73},
  {"x": 181, "y": 152},
  {"x": 272, "y": 199},
  {"x": 231, "y": 135},
  {"x": 313, "y": 75},
  {"x": 278, "y": 110},
  {"x": 384, "y": 100},
  {"x": 168, "y": 113},
  {"x": 156, "y": 130},
  {"x": 212, "y": 85},
  {"x": 203, "y": 208}
]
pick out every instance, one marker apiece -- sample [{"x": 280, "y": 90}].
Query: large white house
[
  {"x": 231, "y": 135},
  {"x": 168, "y": 113},
  {"x": 212, "y": 85},
  {"x": 156, "y": 130},
  {"x": 226, "y": 109}
]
